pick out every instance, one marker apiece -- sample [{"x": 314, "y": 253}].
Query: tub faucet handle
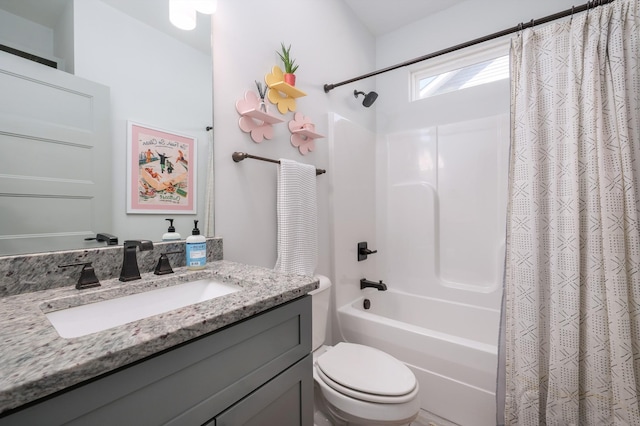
[{"x": 363, "y": 251}]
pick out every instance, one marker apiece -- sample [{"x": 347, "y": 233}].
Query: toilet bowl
[{"x": 358, "y": 384}]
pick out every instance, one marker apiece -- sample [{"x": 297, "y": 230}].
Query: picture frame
[{"x": 161, "y": 171}]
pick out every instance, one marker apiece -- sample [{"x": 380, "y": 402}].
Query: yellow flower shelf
[
  {"x": 287, "y": 89},
  {"x": 280, "y": 93}
]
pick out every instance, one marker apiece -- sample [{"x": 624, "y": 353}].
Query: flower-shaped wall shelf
[
  {"x": 255, "y": 119},
  {"x": 303, "y": 133},
  {"x": 282, "y": 94}
]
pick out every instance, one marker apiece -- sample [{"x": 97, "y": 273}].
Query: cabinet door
[{"x": 286, "y": 400}]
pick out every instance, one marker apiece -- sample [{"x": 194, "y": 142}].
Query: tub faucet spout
[{"x": 364, "y": 283}]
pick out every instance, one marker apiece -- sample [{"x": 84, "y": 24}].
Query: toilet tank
[{"x": 320, "y": 307}]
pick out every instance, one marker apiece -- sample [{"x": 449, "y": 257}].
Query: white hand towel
[{"x": 297, "y": 218}]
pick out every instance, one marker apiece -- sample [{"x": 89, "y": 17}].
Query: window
[{"x": 480, "y": 67}]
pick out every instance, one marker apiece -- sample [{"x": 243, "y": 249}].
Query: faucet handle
[
  {"x": 88, "y": 278},
  {"x": 164, "y": 266},
  {"x": 363, "y": 251}
]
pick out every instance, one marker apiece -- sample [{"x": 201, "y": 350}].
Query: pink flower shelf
[
  {"x": 262, "y": 116},
  {"x": 303, "y": 134},
  {"x": 253, "y": 120},
  {"x": 308, "y": 133}
]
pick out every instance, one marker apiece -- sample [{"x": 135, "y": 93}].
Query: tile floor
[{"x": 426, "y": 418}]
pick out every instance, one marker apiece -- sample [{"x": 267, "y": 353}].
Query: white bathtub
[{"x": 451, "y": 348}]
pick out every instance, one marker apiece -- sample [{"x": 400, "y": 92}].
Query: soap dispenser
[
  {"x": 196, "y": 249},
  {"x": 171, "y": 234}
]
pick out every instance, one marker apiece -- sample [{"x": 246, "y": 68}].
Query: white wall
[
  {"x": 25, "y": 35},
  {"x": 63, "y": 39},
  {"x": 462, "y": 22},
  {"x": 329, "y": 45},
  {"x": 154, "y": 80}
]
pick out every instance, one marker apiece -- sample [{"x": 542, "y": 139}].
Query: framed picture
[{"x": 161, "y": 171}]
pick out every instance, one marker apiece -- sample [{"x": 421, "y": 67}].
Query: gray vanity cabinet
[{"x": 255, "y": 372}]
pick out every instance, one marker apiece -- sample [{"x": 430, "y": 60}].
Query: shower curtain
[{"x": 572, "y": 280}]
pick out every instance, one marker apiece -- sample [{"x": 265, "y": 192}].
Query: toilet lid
[{"x": 367, "y": 370}]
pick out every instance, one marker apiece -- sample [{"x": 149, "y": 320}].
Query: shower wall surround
[{"x": 34, "y": 272}]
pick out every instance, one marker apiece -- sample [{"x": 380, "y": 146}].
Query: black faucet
[
  {"x": 364, "y": 283},
  {"x": 111, "y": 240},
  {"x": 103, "y": 237},
  {"x": 130, "y": 269}
]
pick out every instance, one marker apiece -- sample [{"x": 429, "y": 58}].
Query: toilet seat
[
  {"x": 367, "y": 374},
  {"x": 367, "y": 397}
]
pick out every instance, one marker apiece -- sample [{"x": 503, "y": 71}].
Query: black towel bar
[{"x": 239, "y": 156}]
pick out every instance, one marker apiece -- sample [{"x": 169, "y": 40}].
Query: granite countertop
[{"x": 37, "y": 362}]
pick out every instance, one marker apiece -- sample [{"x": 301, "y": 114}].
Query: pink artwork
[{"x": 161, "y": 171}]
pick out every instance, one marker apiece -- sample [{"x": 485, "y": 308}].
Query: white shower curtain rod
[{"x": 521, "y": 26}]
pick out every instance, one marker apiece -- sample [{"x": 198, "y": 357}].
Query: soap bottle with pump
[
  {"x": 196, "y": 249},
  {"x": 171, "y": 234}
]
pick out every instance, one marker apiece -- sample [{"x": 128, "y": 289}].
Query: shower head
[{"x": 369, "y": 98}]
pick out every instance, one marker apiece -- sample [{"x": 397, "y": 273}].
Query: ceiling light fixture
[{"x": 182, "y": 13}]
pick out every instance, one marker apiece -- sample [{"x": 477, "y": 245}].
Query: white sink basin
[{"x": 90, "y": 318}]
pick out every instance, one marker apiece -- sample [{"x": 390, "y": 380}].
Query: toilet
[{"x": 357, "y": 384}]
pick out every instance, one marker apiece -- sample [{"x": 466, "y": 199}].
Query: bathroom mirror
[{"x": 157, "y": 75}]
